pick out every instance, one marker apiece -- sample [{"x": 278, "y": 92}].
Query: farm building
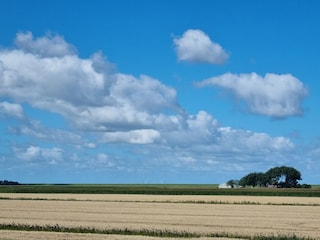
[{"x": 224, "y": 185}]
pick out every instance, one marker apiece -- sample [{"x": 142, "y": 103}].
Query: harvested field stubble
[
  {"x": 15, "y": 235},
  {"x": 166, "y": 213},
  {"x": 167, "y": 198}
]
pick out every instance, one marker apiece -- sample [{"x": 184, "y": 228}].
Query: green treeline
[
  {"x": 6, "y": 182},
  {"x": 279, "y": 177}
]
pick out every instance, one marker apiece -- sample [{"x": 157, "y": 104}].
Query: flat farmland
[{"x": 204, "y": 216}]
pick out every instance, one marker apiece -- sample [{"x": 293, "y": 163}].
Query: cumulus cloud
[
  {"x": 245, "y": 141},
  {"x": 273, "y": 95},
  {"x": 29, "y": 153},
  {"x": 196, "y": 46},
  {"x": 11, "y": 110},
  {"x": 141, "y": 136},
  {"x": 35, "y": 153},
  {"x": 48, "y": 46},
  {"x": 28, "y": 77},
  {"x": 104, "y": 106},
  {"x": 82, "y": 90},
  {"x": 132, "y": 90},
  {"x": 199, "y": 129},
  {"x": 203, "y": 133}
]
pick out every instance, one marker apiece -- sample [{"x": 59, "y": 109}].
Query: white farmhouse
[{"x": 224, "y": 185}]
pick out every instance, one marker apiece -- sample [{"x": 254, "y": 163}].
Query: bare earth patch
[{"x": 161, "y": 213}]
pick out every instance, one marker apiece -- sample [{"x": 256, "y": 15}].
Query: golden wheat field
[{"x": 238, "y": 215}]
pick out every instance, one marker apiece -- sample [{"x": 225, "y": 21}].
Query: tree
[
  {"x": 278, "y": 176},
  {"x": 6, "y": 182},
  {"x": 262, "y": 179},
  {"x": 283, "y": 176},
  {"x": 233, "y": 183},
  {"x": 254, "y": 179}
]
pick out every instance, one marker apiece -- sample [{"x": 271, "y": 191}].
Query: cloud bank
[
  {"x": 141, "y": 116},
  {"x": 195, "y": 46}
]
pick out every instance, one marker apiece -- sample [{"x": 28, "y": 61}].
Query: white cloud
[
  {"x": 204, "y": 134},
  {"x": 200, "y": 129},
  {"x": 36, "y": 130},
  {"x": 248, "y": 142},
  {"x": 105, "y": 106},
  {"x": 196, "y": 46},
  {"x": 48, "y": 46},
  {"x": 84, "y": 91},
  {"x": 29, "y": 153},
  {"x": 141, "y": 136},
  {"x": 146, "y": 93},
  {"x": 11, "y": 109},
  {"x": 28, "y": 77},
  {"x": 272, "y": 95},
  {"x": 37, "y": 154}
]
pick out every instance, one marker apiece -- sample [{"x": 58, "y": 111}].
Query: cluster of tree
[
  {"x": 281, "y": 177},
  {"x": 6, "y": 182},
  {"x": 233, "y": 183}
]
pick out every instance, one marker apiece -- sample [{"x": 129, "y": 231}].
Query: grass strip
[
  {"x": 144, "y": 232},
  {"x": 117, "y": 231},
  {"x": 154, "y": 201},
  {"x": 157, "y": 189}
]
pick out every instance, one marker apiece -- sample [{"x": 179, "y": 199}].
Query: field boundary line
[
  {"x": 144, "y": 232},
  {"x": 166, "y": 201}
]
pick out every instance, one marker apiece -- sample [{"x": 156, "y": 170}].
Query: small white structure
[{"x": 224, "y": 185}]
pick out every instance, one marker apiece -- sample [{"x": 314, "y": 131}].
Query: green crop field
[{"x": 159, "y": 189}]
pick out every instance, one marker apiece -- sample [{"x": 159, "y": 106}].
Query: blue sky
[{"x": 158, "y": 91}]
